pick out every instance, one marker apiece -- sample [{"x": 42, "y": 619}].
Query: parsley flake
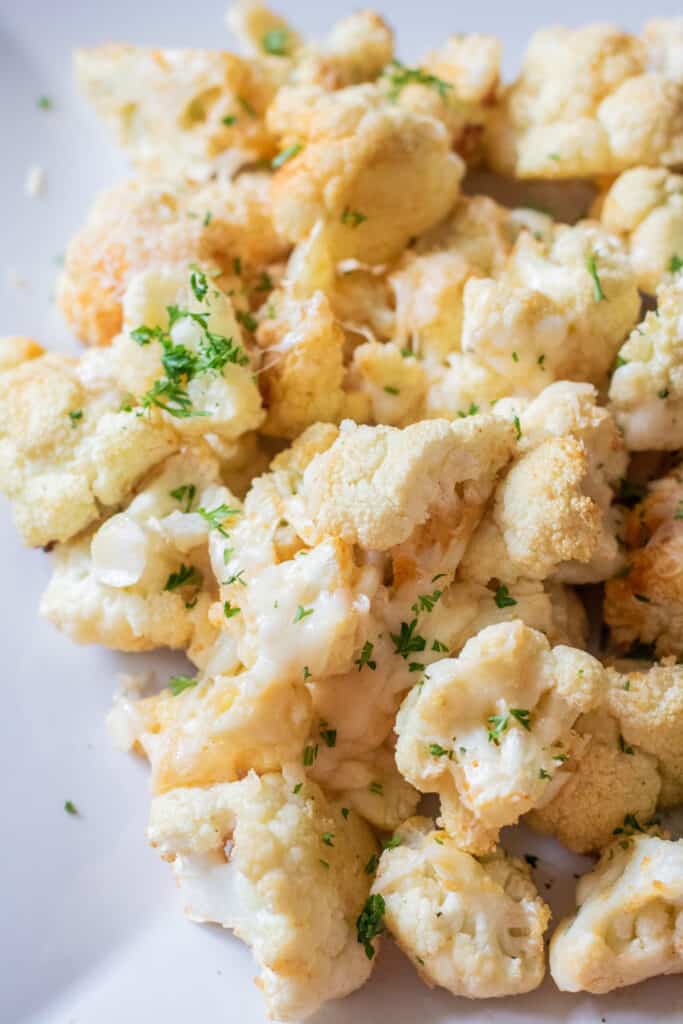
[
  {"x": 215, "y": 517},
  {"x": 186, "y": 574},
  {"x": 75, "y": 415},
  {"x": 230, "y": 610},
  {"x": 276, "y": 42},
  {"x": 399, "y": 76},
  {"x": 407, "y": 640},
  {"x": 675, "y": 264},
  {"x": 366, "y": 657},
  {"x": 310, "y": 754},
  {"x": 369, "y": 923},
  {"x": 301, "y": 613},
  {"x": 177, "y": 684},
  {"x": 352, "y": 218},
  {"x": 502, "y": 598},
  {"x": 70, "y": 807},
  {"x": 592, "y": 268},
  {"x": 186, "y": 493},
  {"x": 286, "y": 154}
]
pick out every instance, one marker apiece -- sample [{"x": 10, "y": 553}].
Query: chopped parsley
[
  {"x": 399, "y": 76},
  {"x": 472, "y": 411},
  {"x": 208, "y": 217},
  {"x": 286, "y": 154},
  {"x": 436, "y": 750},
  {"x": 438, "y": 646},
  {"x": 631, "y": 825},
  {"x": 425, "y": 603},
  {"x": 377, "y": 788},
  {"x": 515, "y": 357},
  {"x": 230, "y": 610},
  {"x": 325, "y": 864},
  {"x": 228, "y": 120},
  {"x": 327, "y": 838},
  {"x": 186, "y": 574},
  {"x": 276, "y": 42},
  {"x": 329, "y": 736},
  {"x": 177, "y": 684},
  {"x": 518, "y": 428},
  {"x": 246, "y": 106},
  {"x": 297, "y": 788},
  {"x": 44, "y": 103},
  {"x": 502, "y": 597},
  {"x": 246, "y": 319},
  {"x": 408, "y": 640},
  {"x": 235, "y": 577},
  {"x": 366, "y": 657},
  {"x": 70, "y": 807},
  {"x": 198, "y": 283},
  {"x": 369, "y": 923},
  {"x": 171, "y": 397},
  {"x": 310, "y": 754},
  {"x": 391, "y": 390},
  {"x": 624, "y": 746},
  {"x": 523, "y": 717},
  {"x": 353, "y": 218},
  {"x": 75, "y": 415},
  {"x": 592, "y": 268},
  {"x": 301, "y": 613},
  {"x": 186, "y": 493},
  {"x": 264, "y": 283},
  {"x": 371, "y": 865},
  {"x": 215, "y": 517},
  {"x": 307, "y": 673},
  {"x": 543, "y": 774},
  {"x": 391, "y": 844},
  {"x": 497, "y": 724},
  {"x": 675, "y": 264},
  {"x": 345, "y": 813}
]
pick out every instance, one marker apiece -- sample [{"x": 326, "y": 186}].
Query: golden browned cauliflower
[
  {"x": 645, "y": 207},
  {"x": 372, "y": 173},
  {"x": 629, "y": 919},
  {"x": 646, "y": 392},
  {"x": 551, "y": 513},
  {"x": 142, "y": 579},
  {"x": 490, "y": 731},
  {"x": 472, "y": 925},
  {"x": 644, "y": 601},
  {"x": 283, "y": 867},
  {"x": 608, "y": 780},
  {"x": 586, "y": 105},
  {"x": 648, "y": 704},
  {"x": 224, "y": 226}
]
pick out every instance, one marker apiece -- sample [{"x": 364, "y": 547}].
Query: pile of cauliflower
[{"x": 396, "y": 465}]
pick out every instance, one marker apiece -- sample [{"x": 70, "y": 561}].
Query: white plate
[{"x": 92, "y": 927}]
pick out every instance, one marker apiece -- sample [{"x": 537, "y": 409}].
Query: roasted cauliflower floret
[
  {"x": 551, "y": 512},
  {"x": 303, "y": 366},
  {"x": 142, "y": 578},
  {"x": 664, "y": 40},
  {"x": 646, "y": 393},
  {"x": 629, "y": 921},
  {"x": 224, "y": 226},
  {"x": 644, "y": 602},
  {"x": 375, "y": 485},
  {"x": 217, "y": 729},
  {"x": 395, "y": 383},
  {"x": 281, "y": 866},
  {"x": 608, "y": 780},
  {"x": 645, "y": 206},
  {"x": 66, "y": 451},
  {"x": 489, "y": 731},
  {"x": 585, "y": 105},
  {"x": 180, "y": 111},
  {"x": 473, "y": 926},
  {"x": 649, "y": 707},
  {"x": 373, "y": 173}
]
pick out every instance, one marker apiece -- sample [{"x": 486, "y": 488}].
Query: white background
[{"x": 91, "y": 931}]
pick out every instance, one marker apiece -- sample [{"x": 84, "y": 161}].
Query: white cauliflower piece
[
  {"x": 649, "y": 707},
  {"x": 551, "y": 512},
  {"x": 375, "y": 485},
  {"x": 646, "y": 392},
  {"x": 66, "y": 451},
  {"x": 473, "y": 926},
  {"x": 645, "y": 207},
  {"x": 664, "y": 40},
  {"x": 180, "y": 111},
  {"x": 373, "y": 173},
  {"x": 644, "y": 602},
  {"x": 608, "y": 780},
  {"x": 283, "y": 868},
  {"x": 142, "y": 223},
  {"x": 488, "y": 731},
  {"x": 586, "y": 105},
  {"x": 217, "y": 729},
  {"x": 394, "y": 382},
  {"x": 629, "y": 921},
  {"x": 142, "y": 578}
]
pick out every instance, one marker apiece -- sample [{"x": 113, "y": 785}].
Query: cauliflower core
[
  {"x": 490, "y": 731},
  {"x": 629, "y": 922},
  {"x": 472, "y": 925},
  {"x": 280, "y": 865}
]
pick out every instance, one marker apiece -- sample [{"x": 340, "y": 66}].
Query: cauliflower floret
[
  {"x": 281, "y": 866},
  {"x": 182, "y": 352},
  {"x": 142, "y": 578},
  {"x": 649, "y": 707},
  {"x": 487, "y": 731},
  {"x": 664, "y": 40},
  {"x": 645, "y": 206},
  {"x": 141, "y": 223},
  {"x": 16, "y": 349},
  {"x": 646, "y": 392},
  {"x": 303, "y": 368},
  {"x": 180, "y": 112},
  {"x": 218, "y": 728},
  {"x": 609, "y": 780},
  {"x": 373, "y": 173},
  {"x": 394, "y": 382},
  {"x": 375, "y": 485},
  {"x": 585, "y": 105},
  {"x": 644, "y": 602},
  {"x": 473, "y": 926},
  {"x": 66, "y": 452},
  {"x": 551, "y": 513},
  {"x": 629, "y": 922}
]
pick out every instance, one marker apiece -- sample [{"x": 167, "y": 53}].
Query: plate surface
[{"x": 92, "y": 926}]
